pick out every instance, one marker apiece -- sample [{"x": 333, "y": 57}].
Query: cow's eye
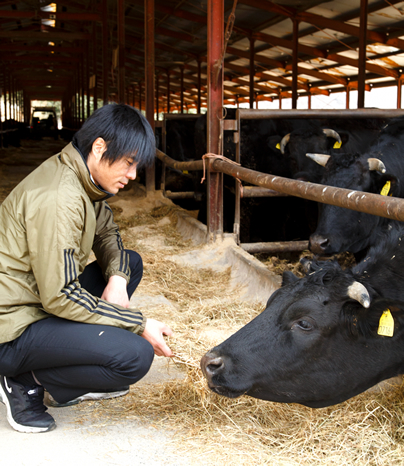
[{"x": 303, "y": 325}]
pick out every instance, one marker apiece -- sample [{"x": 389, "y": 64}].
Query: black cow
[
  {"x": 317, "y": 343},
  {"x": 179, "y": 146},
  {"x": 286, "y": 217},
  {"x": 330, "y": 136},
  {"x": 340, "y": 229}
]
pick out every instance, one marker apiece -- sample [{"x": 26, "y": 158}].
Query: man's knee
[
  {"x": 138, "y": 362},
  {"x": 135, "y": 261},
  {"x": 146, "y": 359}
]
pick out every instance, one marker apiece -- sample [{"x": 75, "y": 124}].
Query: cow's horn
[
  {"x": 330, "y": 133},
  {"x": 376, "y": 164},
  {"x": 321, "y": 159},
  {"x": 359, "y": 293},
  {"x": 284, "y": 141}
]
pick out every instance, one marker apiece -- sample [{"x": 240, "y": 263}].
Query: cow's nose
[
  {"x": 211, "y": 365},
  {"x": 318, "y": 244}
]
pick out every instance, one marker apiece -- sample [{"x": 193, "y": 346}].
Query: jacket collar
[{"x": 72, "y": 157}]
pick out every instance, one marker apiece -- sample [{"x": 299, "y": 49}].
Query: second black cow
[{"x": 380, "y": 170}]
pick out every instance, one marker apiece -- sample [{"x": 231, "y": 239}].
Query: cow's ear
[
  {"x": 288, "y": 278},
  {"x": 273, "y": 142},
  {"x": 387, "y": 185}
]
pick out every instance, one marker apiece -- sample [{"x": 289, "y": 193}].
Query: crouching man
[{"x": 65, "y": 326}]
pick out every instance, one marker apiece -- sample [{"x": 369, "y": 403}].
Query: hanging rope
[
  {"x": 227, "y": 35},
  {"x": 211, "y": 155}
]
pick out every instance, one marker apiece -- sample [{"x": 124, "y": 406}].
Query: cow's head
[
  {"x": 314, "y": 344},
  {"x": 340, "y": 229},
  {"x": 296, "y": 144}
]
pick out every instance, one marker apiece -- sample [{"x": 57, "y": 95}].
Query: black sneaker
[
  {"x": 94, "y": 396},
  {"x": 25, "y": 408}
]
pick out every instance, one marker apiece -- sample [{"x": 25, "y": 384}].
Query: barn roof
[{"x": 46, "y": 49}]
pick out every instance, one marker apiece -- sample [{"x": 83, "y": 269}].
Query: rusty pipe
[
  {"x": 375, "y": 204},
  {"x": 275, "y": 247},
  {"x": 255, "y": 191},
  {"x": 196, "y": 165}
]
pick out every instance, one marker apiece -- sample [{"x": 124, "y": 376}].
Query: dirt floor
[{"x": 205, "y": 293}]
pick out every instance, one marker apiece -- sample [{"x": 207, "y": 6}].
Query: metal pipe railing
[
  {"x": 375, "y": 204},
  {"x": 253, "y": 114},
  {"x": 195, "y": 165},
  {"x": 275, "y": 247}
]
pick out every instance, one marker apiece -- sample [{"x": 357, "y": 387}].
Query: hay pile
[{"x": 213, "y": 430}]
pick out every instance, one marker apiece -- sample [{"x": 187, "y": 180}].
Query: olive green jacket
[{"x": 48, "y": 226}]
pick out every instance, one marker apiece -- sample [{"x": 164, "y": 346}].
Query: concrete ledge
[{"x": 252, "y": 280}]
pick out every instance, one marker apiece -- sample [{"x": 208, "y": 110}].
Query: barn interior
[
  {"x": 161, "y": 58},
  {"x": 176, "y": 60}
]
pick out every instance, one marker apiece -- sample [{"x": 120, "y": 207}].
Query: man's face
[{"x": 112, "y": 177}]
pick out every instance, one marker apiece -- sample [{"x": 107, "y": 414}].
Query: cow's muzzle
[
  {"x": 211, "y": 365},
  {"x": 214, "y": 369}
]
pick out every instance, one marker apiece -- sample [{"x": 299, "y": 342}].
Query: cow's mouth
[{"x": 227, "y": 392}]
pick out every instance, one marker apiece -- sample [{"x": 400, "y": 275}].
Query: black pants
[{"x": 70, "y": 358}]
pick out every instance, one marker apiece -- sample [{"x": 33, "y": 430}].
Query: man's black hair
[{"x": 125, "y": 131}]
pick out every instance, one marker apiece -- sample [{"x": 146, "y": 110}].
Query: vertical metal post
[
  {"x": 149, "y": 81},
  {"x": 199, "y": 87},
  {"x": 347, "y": 97},
  {"x": 87, "y": 77},
  {"x": 168, "y": 91},
  {"x": 12, "y": 96},
  {"x": 237, "y": 207},
  {"x": 362, "y": 53},
  {"x": 294, "y": 62},
  {"x": 7, "y": 97},
  {"x": 215, "y": 115},
  {"x": 121, "y": 51},
  {"x": 182, "y": 90},
  {"x": 157, "y": 96},
  {"x": 399, "y": 91},
  {"x": 309, "y": 101},
  {"x": 95, "y": 103},
  {"x": 105, "y": 51},
  {"x": 252, "y": 72},
  {"x": 83, "y": 85}
]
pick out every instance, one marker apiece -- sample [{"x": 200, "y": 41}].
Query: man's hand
[
  {"x": 116, "y": 292},
  {"x": 154, "y": 333}
]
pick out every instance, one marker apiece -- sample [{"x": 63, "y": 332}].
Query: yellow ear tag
[
  {"x": 386, "y": 188},
  {"x": 386, "y": 324},
  {"x": 185, "y": 172},
  {"x": 278, "y": 146},
  {"x": 337, "y": 145}
]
